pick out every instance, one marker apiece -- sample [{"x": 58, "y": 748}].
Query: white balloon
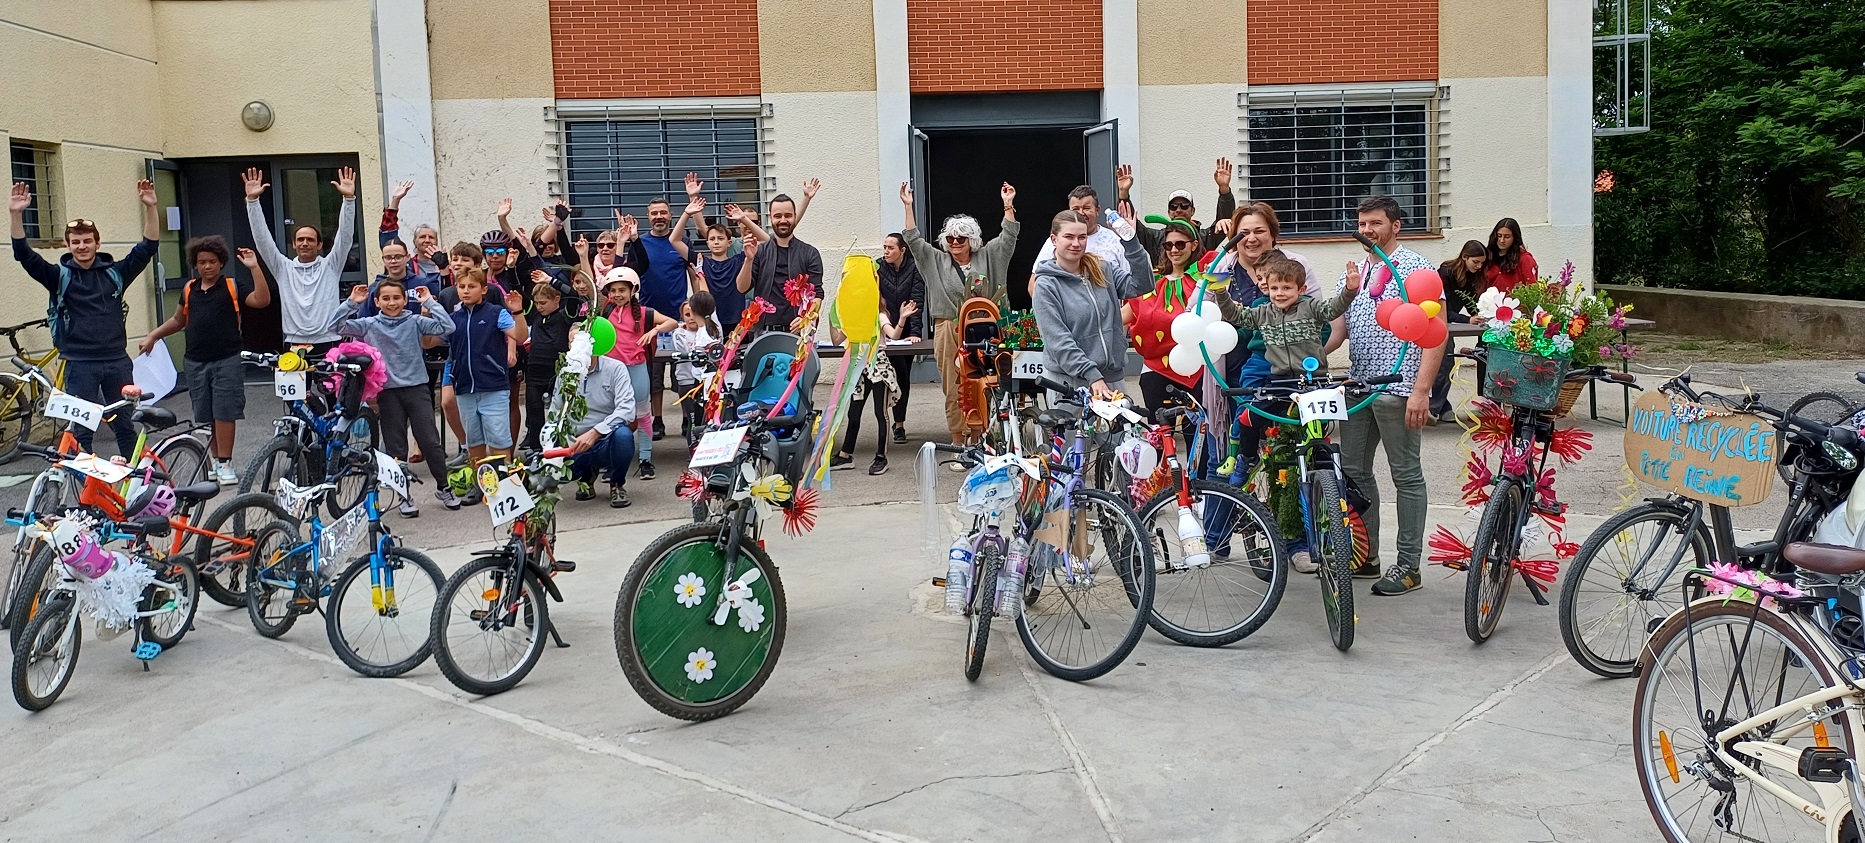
[
  {"x": 1187, "y": 328},
  {"x": 1185, "y": 360},
  {"x": 1219, "y": 338},
  {"x": 1208, "y": 312}
]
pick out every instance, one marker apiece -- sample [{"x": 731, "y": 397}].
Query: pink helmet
[
  {"x": 86, "y": 557},
  {"x": 149, "y": 498}
]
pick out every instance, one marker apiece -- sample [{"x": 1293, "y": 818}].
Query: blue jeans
[
  {"x": 102, "y": 381},
  {"x": 616, "y": 452}
]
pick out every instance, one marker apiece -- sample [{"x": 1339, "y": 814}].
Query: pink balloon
[
  {"x": 1423, "y": 285},
  {"x": 1383, "y": 315},
  {"x": 1408, "y": 322},
  {"x": 1436, "y": 332},
  {"x": 1376, "y": 285}
]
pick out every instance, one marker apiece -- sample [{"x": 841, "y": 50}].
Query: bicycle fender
[{"x": 550, "y": 587}]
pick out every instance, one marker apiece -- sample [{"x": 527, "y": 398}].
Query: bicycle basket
[{"x": 1524, "y": 380}]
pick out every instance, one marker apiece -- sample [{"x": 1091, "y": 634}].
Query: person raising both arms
[
  {"x": 210, "y": 312},
  {"x": 428, "y": 257},
  {"x": 776, "y": 262},
  {"x": 86, "y": 304},
  {"x": 1179, "y": 207},
  {"x": 964, "y": 267},
  {"x": 1077, "y": 302},
  {"x": 307, "y": 281}
]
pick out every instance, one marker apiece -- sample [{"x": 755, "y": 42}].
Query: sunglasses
[
  {"x": 601, "y": 245},
  {"x": 499, "y": 252},
  {"x": 1175, "y": 245},
  {"x": 1178, "y": 206},
  {"x": 957, "y": 240},
  {"x": 80, "y": 223}
]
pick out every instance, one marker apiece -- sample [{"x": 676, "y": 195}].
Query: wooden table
[{"x": 1471, "y": 329}]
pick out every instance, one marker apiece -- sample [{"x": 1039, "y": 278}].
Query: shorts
[
  {"x": 486, "y": 416},
  {"x": 446, "y": 374},
  {"x": 218, "y": 389},
  {"x": 659, "y": 374}
]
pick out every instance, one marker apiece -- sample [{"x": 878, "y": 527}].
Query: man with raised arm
[
  {"x": 308, "y": 279},
  {"x": 780, "y": 256}
]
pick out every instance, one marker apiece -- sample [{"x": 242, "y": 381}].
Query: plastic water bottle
[
  {"x": 1010, "y": 580},
  {"x": 958, "y": 576},
  {"x": 1191, "y": 539}
]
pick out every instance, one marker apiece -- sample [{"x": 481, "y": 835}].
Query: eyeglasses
[
  {"x": 80, "y": 223},
  {"x": 499, "y": 252},
  {"x": 1175, "y": 245},
  {"x": 957, "y": 240},
  {"x": 1178, "y": 206}
]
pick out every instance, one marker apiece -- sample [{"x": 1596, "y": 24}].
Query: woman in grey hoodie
[{"x": 1077, "y": 303}]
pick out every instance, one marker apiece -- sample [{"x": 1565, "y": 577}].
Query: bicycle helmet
[
  {"x": 147, "y": 499},
  {"x": 495, "y": 239},
  {"x": 81, "y": 552}
]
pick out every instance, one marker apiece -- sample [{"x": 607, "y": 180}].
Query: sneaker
[
  {"x": 1368, "y": 570},
  {"x": 1303, "y": 563},
  {"x": 447, "y": 498},
  {"x": 900, "y": 434},
  {"x": 647, "y": 470},
  {"x": 839, "y": 462},
  {"x": 457, "y": 460},
  {"x": 473, "y": 498},
  {"x": 224, "y": 473},
  {"x": 1399, "y": 580},
  {"x": 1448, "y": 417},
  {"x": 585, "y": 490},
  {"x": 618, "y": 499},
  {"x": 955, "y": 465},
  {"x": 878, "y": 468},
  {"x": 660, "y": 430},
  {"x": 408, "y": 509}
]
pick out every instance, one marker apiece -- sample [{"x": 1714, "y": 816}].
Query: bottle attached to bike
[
  {"x": 958, "y": 575},
  {"x": 1010, "y": 580},
  {"x": 1191, "y": 538}
]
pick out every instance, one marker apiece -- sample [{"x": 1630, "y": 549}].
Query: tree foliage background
[{"x": 1752, "y": 178}]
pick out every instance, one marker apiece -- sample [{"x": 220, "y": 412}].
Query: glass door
[
  {"x": 169, "y": 270},
  {"x": 307, "y": 196}
]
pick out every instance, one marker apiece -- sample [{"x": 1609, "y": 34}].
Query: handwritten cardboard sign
[{"x": 1726, "y": 460}]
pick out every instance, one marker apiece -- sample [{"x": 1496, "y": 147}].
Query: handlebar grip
[
  {"x": 1054, "y": 385},
  {"x": 555, "y": 453},
  {"x": 1621, "y": 377},
  {"x": 38, "y": 451},
  {"x": 15, "y": 513},
  {"x": 1240, "y": 392},
  {"x": 1382, "y": 380},
  {"x": 1171, "y": 414},
  {"x": 947, "y": 449}
]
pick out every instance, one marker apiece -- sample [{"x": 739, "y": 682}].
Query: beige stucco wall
[
  {"x": 830, "y": 136},
  {"x": 1184, "y": 129},
  {"x": 1492, "y": 38},
  {"x": 490, "y": 137},
  {"x": 818, "y": 45},
  {"x": 489, "y": 49},
  {"x": 1190, "y": 44}
]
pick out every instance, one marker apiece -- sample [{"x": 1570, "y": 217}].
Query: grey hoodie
[
  {"x": 1083, "y": 337},
  {"x": 398, "y": 338}
]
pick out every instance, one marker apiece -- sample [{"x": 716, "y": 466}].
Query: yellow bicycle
[{"x": 22, "y": 399}]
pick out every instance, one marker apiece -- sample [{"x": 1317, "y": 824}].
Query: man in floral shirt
[{"x": 1397, "y": 417}]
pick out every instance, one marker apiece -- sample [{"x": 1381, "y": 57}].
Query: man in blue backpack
[{"x": 86, "y": 304}]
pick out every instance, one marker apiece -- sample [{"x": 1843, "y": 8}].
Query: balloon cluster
[
  {"x": 1200, "y": 326},
  {"x": 1413, "y": 317}
]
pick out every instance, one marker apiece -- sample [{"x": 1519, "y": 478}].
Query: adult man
[
  {"x": 307, "y": 281},
  {"x": 777, "y": 262},
  {"x": 1102, "y": 242},
  {"x": 1179, "y": 207},
  {"x": 966, "y": 267},
  {"x": 605, "y": 436},
  {"x": 86, "y": 307},
  {"x": 1397, "y": 417},
  {"x": 664, "y": 286}
]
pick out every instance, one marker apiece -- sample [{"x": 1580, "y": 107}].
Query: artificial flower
[
  {"x": 699, "y": 665},
  {"x": 1563, "y": 344},
  {"x": 1497, "y": 308},
  {"x": 751, "y": 616},
  {"x": 689, "y": 589}
]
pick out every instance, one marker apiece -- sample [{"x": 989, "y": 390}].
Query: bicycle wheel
[
  {"x": 1231, "y": 597},
  {"x": 674, "y": 656},
  {"x": 982, "y": 609},
  {"x": 177, "y": 584},
  {"x": 489, "y": 632},
  {"x": 380, "y": 628},
  {"x": 1335, "y": 554},
  {"x": 184, "y": 458},
  {"x": 354, "y": 472},
  {"x": 1492, "y": 562},
  {"x": 34, "y": 587},
  {"x": 16, "y": 420},
  {"x": 223, "y": 553},
  {"x": 42, "y": 668},
  {"x": 1085, "y": 608},
  {"x": 283, "y": 457},
  {"x": 271, "y": 601},
  {"x": 1726, "y": 665},
  {"x": 46, "y": 496},
  {"x": 1825, "y": 407},
  {"x": 1621, "y": 585}
]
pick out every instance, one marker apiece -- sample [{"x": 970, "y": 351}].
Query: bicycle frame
[{"x": 381, "y": 577}]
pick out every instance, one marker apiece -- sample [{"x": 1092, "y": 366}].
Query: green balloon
[{"x": 601, "y": 335}]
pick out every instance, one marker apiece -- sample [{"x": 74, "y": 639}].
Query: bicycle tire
[
  {"x": 1492, "y": 562},
  {"x": 223, "y": 552},
  {"x": 354, "y": 477},
  {"x": 1635, "y": 616},
  {"x": 697, "y": 545},
  {"x": 54, "y": 620},
  {"x": 176, "y": 580},
  {"x": 450, "y": 611},
  {"x": 415, "y": 598},
  {"x": 38, "y": 582},
  {"x": 1693, "y": 649},
  {"x": 16, "y": 420},
  {"x": 983, "y": 609},
  {"x": 263, "y": 598},
  {"x": 1823, "y": 406},
  {"x": 46, "y": 496},
  {"x": 1130, "y": 564},
  {"x": 184, "y": 459},
  {"x": 283, "y": 456},
  {"x": 1183, "y": 590},
  {"x": 1336, "y": 558}
]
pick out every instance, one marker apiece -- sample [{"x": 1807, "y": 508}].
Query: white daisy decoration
[
  {"x": 699, "y": 665},
  {"x": 689, "y": 589},
  {"x": 751, "y": 616},
  {"x": 1497, "y": 306}
]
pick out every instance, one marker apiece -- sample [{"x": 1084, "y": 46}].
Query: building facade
[{"x": 1466, "y": 112}]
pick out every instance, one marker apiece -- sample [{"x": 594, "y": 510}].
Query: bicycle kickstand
[
  {"x": 557, "y": 638},
  {"x": 1535, "y": 589}
]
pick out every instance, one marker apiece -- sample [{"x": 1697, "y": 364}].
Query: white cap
[{"x": 1180, "y": 194}]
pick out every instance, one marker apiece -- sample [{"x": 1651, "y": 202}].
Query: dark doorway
[{"x": 965, "y": 168}]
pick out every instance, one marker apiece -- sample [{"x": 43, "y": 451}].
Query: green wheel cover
[{"x": 668, "y": 633}]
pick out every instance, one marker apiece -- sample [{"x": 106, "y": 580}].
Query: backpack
[
  {"x": 233, "y": 293},
  {"x": 55, "y": 309}
]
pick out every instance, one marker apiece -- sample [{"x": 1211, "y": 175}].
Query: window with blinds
[
  {"x": 1314, "y": 154},
  {"x": 613, "y": 158},
  {"x": 36, "y": 166}
]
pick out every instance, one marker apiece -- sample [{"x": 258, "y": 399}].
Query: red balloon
[
  {"x": 1383, "y": 315},
  {"x": 1436, "y": 332},
  {"x": 1408, "y": 322},
  {"x": 1423, "y": 285}
]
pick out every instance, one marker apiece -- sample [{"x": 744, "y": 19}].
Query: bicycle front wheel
[
  {"x": 47, "y": 496},
  {"x": 42, "y": 665},
  {"x": 174, "y": 596},
  {"x": 1492, "y": 561},
  {"x": 16, "y": 420},
  {"x": 1245, "y": 574},
  {"x": 283, "y": 457},
  {"x": 1085, "y": 605},
  {"x": 1727, "y": 664},
  {"x": 35, "y": 586},
  {"x": 1335, "y": 553},
  {"x": 272, "y": 595},
  {"x": 489, "y": 626},
  {"x": 1622, "y": 584},
  {"x": 983, "y": 608},
  {"x": 223, "y": 554},
  {"x": 674, "y": 655},
  {"x": 379, "y": 616}
]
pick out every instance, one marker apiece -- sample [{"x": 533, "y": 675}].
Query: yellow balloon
[
  {"x": 1430, "y": 307},
  {"x": 858, "y": 301}
]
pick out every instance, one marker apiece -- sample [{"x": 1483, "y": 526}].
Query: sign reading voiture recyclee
[{"x": 1726, "y": 460}]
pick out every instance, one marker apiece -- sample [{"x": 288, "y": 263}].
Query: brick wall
[
  {"x": 608, "y": 48},
  {"x": 1003, "y": 45},
  {"x": 1299, "y": 41}
]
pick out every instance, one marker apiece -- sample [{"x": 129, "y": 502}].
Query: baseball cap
[{"x": 1180, "y": 194}]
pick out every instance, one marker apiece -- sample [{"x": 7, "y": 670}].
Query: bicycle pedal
[
  {"x": 479, "y": 614},
  {"x": 148, "y": 650},
  {"x": 1549, "y": 508},
  {"x": 303, "y": 605},
  {"x": 562, "y": 566},
  {"x": 1823, "y": 764},
  {"x": 939, "y": 582}
]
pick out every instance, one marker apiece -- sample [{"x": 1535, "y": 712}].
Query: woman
[
  {"x": 1077, "y": 302},
  {"x": 1463, "y": 282},
  {"x": 1509, "y": 261},
  {"x": 1149, "y": 317},
  {"x": 1260, "y": 230}
]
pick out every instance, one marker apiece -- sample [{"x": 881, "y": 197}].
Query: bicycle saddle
[
  {"x": 155, "y": 417},
  {"x": 198, "y": 492},
  {"x": 362, "y": 360},
  {"x": 1065, "y": 415},
  {"x": 1830, "y": 559}
]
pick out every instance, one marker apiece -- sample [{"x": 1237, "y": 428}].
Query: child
[
  {"x": 697, "y": 330},
  {"x": 636, "y": 328},
  {"x": 1291, "y": 323},
  {"x": 883, "y": 383},
  {"x": 484, "y": 348},
  {"x": 552, "y": 317},
  {"x": 210, "y": 314},
  {"x": 404, "y": 401}
]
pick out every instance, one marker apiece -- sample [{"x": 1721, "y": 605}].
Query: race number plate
[
  {"x": 73, "y": 409},
  {"x": 718, "y": 447},
  {"x": 389, "y": 473},
  {"x": 1322, "y": 405},
  {"x": 288, "y": 385},
  {"x": 1028, "y": 365},
  {"x": 510, "y": 501},
  {"x": 65, "y": 538},
  {"x": 91, "y": 465}
]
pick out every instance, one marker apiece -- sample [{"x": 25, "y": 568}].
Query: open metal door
[
  {"x": 922, "y": 186},
  {"x": 1101, "y": 148}
]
